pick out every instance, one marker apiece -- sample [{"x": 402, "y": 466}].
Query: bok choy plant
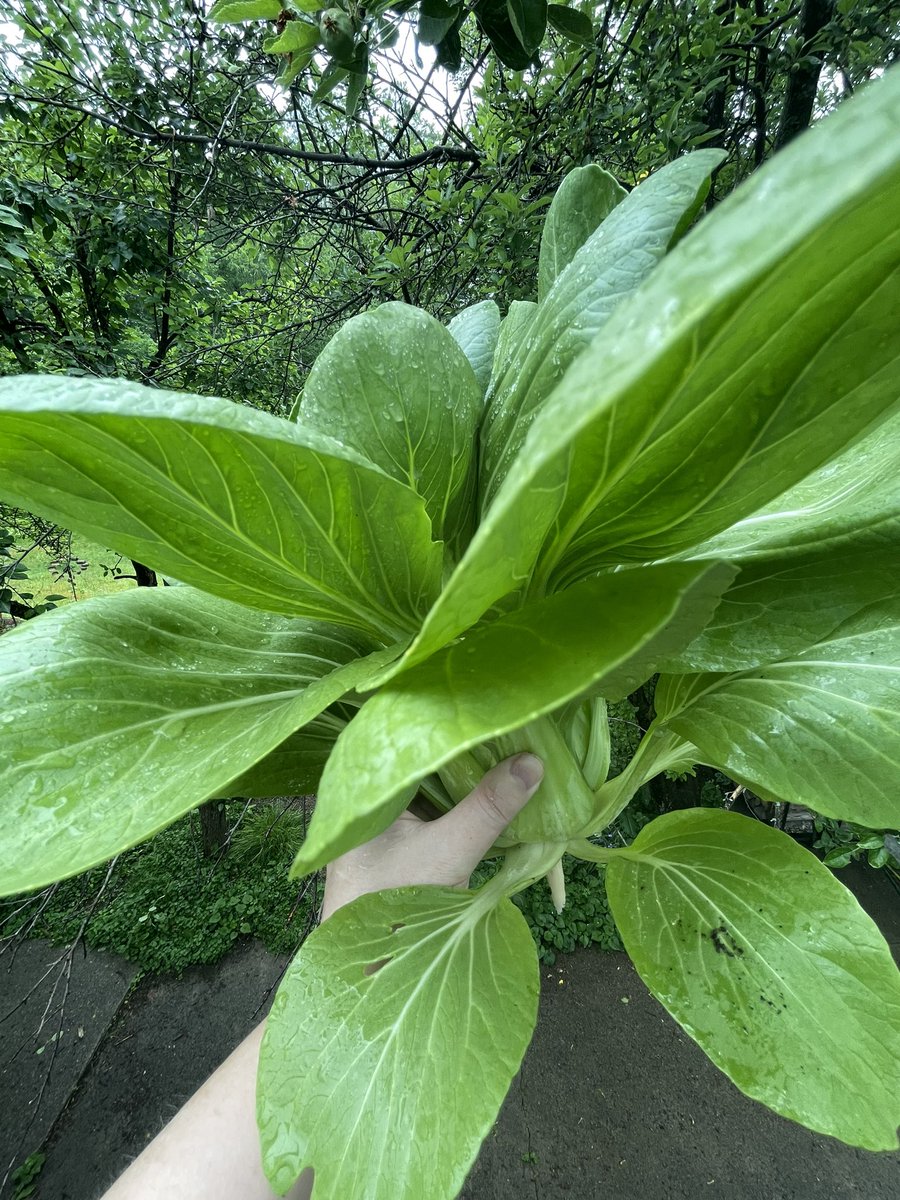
[{"x": 683, "y": 459}]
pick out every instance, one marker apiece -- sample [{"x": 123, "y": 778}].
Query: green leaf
[
  {"x": 781, "y": 606},
  {"x": 449, "y": 50},
  {"x": 851, "y": 502},
  {"x": 330, "y": 78},
  {"x": 297, "y": 35},
  {"x": 436, "y": 18},
  {"x": 571, "y": 23},
  {"x": 755, "y": 353},
  {"x": 584, "y": 199},
  {"x": 290, "y": 69},
  {"x": 357, "y": 79},
  {"x": 770, "y": 964},
  {"x": 498, "y": 679},
  {"x": 537, "y": 347},
  {"x": 122, "y": 713},
  {"x": 837, "y": 858},
  {"x": 493, "y": 20},
  {"x": 529, "y": 21},
  {"x": 603, "y": 271},
  {"x": 476, "y": 330},
  {"x": 293, "y": 768},
  {"x": 513, "y": 330},
  {"x": 232, "y": 12},
  {"x": 653, "y": 428},
  {"x": 247, "y": 506},
  {"x": 394, "y": 385},
  {"x": 386, "y": 1017},
  {"x": 821, "y": 728},
  {"x": 874, "y": 842},
  {"x": 9, "y": 219}
]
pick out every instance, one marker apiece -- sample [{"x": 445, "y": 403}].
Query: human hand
[{"x": 443, "y": 852}]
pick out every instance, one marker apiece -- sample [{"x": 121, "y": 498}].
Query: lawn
[{"x": 92, "y": 569}]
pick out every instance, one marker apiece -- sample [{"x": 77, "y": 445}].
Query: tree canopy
[{"x": 173, "y": 213}]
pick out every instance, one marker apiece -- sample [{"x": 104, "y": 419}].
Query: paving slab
[
  {"x": 168, "y": 1037},
  {"x": 879, "y": 897},
  {"x": 55, "y": 1008}
]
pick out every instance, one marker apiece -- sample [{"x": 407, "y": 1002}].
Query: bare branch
[{"x": 436, "y": 154}]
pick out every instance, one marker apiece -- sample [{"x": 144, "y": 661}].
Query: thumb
[{"x": 472, "y": 827}]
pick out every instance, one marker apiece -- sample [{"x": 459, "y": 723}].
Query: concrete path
[
  {"x": 55, "y": 1010},
  {"x": 613, "y": 1100}
]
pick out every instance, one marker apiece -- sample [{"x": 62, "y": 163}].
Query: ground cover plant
[
  {"x": 682, "y": 459},
  {"x": 165, "y": 907}
]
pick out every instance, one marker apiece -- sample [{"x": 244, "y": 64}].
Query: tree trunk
[
  {"x": 803, "y": 81},
  {"x": 144, "y": 576},
  {"x": 213, "y": 827}
]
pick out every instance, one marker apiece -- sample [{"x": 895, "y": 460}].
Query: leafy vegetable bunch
[
  {"x": 682, "y": 459},
  {"x": 348, "y": 33}
]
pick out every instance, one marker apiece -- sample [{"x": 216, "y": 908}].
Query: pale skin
[{"x": 210, "y": 1149}]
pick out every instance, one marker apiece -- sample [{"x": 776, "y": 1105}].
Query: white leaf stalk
[{"x": 557, "y": 883}]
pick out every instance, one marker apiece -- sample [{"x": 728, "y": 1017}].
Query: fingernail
[{"x": 528, "y": 768}]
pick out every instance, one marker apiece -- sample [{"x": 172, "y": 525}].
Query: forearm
[{"x": 210, "y": 1148}]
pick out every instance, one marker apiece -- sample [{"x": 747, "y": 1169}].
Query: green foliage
[
  {"x": 36, "y": 562},
  {"x": 574, "y": 25},
  {"x": 12, "y": 241},
  {"x": 349, "y": 33},
  {"x": 625, "y": 734},
  {"x": 15, "y": 598},
  {"x": 42, "y": 566},
  {"x": 706, "y": 906},
  {"x": 348, "y": 401},
  {"x": 843, "y": 842},
  {"x": 735, "y": 365},
  {"x": 165, "y": 908},
  {"x": 418, "y": 944},
  {"x": 239, "y": 683},
  {"x": 585, "y": 920},
  {"x": 267, "y": 836},
  {"x": 226, "y": 258},
  {"x": 854, "y": 667},
  {"x": 24, "y": 1177}
]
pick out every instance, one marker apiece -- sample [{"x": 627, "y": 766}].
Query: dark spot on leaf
[
  {"x": 371, "y": 968},
  {"x": 398, "y": 925},
  {"x": 725, "y": 943}
]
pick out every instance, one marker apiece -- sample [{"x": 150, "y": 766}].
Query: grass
[{"x": 95, "y": 579}]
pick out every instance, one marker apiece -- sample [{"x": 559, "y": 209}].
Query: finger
[{"x": 471, "y": 828}]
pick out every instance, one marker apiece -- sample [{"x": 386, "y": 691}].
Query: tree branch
[{"x": 159, "y": 137}]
